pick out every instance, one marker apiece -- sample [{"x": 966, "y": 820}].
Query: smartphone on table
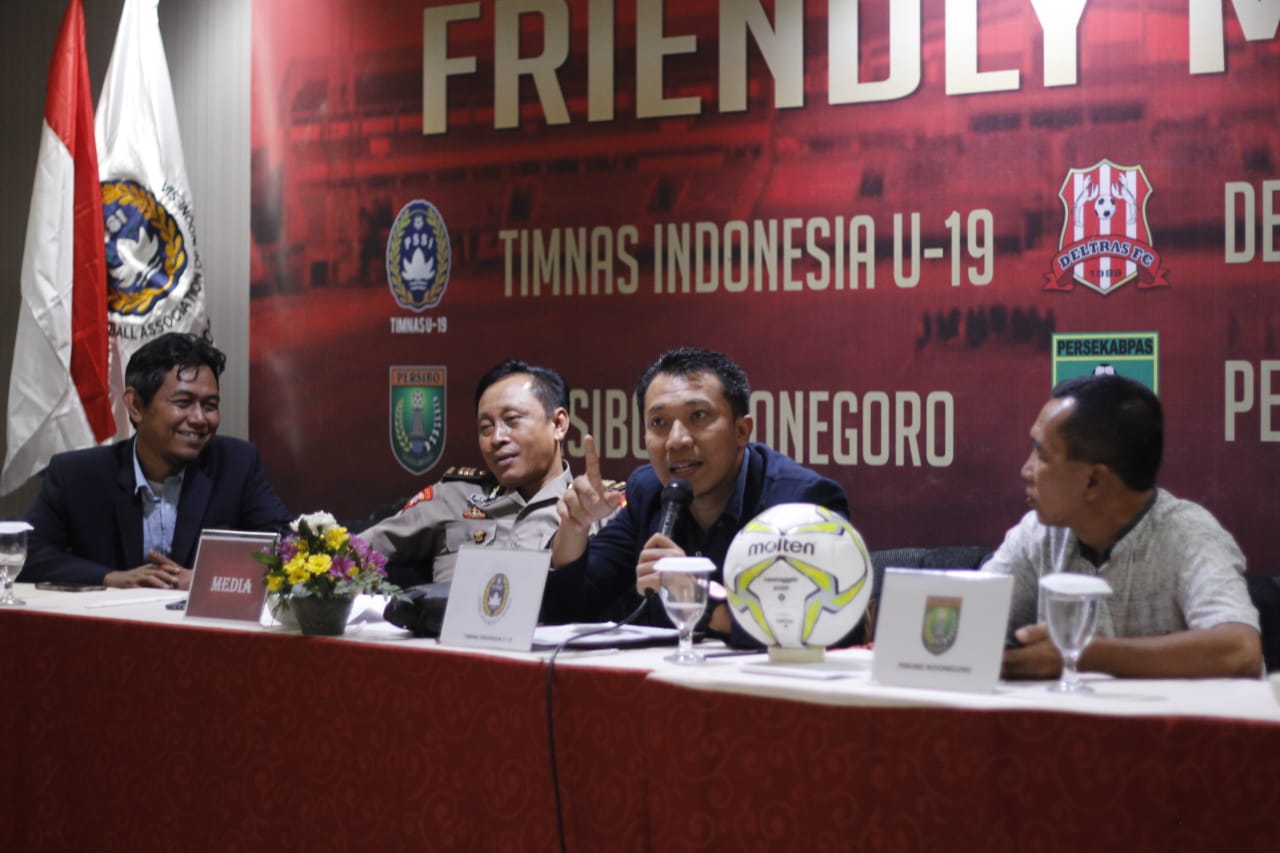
[{"x": 69, "y": 587}]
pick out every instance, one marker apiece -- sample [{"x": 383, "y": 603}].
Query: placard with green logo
[{"x": 1132, "y": 354}]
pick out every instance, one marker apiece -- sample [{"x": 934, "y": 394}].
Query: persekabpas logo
[
  {"x": 1135, "y": 355},
  {"x": 418, "y": 256},
  {"x": 417, "y": 416},
  {"x": 1105, "y": 240},
  {"x": 941, "y": 623}
]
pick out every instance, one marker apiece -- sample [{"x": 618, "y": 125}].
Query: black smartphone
[{"x": 69, "y": 587}]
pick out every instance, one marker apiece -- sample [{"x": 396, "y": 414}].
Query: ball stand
[{"x": 804, "y": 654}]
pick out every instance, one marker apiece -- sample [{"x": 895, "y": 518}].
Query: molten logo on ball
[{"x": 798, "y": 576}]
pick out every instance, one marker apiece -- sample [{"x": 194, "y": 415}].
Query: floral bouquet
[{"x": 319, "y": 558}]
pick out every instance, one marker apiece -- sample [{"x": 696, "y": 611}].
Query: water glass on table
[
  {"x": 1071, "y": 612},
  {"x": 682, "y": 585},
  {"x": 13, "y": 554}
]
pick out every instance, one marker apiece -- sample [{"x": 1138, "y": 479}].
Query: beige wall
[{"x": 207, "y": 43}]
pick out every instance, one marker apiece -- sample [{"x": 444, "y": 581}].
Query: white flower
[{"x": 318, "y": 522}]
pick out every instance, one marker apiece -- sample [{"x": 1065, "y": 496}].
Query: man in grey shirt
[{"x": 1179, "y": 607}]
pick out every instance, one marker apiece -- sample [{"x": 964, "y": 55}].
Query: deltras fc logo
[
  {"x": 418, "y": 256},
  {"x": 1105, "y": 241}
]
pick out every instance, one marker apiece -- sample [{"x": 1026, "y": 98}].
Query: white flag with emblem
[{"x": 154, "y": 280}]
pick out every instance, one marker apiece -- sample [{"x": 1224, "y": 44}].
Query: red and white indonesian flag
[
  {"x": 154, "y": 280},
  {"x": 58, "y": 390}
]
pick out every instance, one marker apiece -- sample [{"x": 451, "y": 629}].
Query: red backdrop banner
[{"x": 885, "y": 211}]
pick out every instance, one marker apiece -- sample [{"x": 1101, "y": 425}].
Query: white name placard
[
  {"x": 941, "y": 629},
  {"x": 494, "y": 598}
]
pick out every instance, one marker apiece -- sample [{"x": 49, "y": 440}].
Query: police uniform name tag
[
  {"x": 495, "y": 597},
  {"x": 941, "y": 629},
  {"x": 226, "y": 581}
]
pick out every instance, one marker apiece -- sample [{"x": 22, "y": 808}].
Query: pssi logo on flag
[
  {"x": 1106, "y": 241},
  {"x": 147, "y": 255}
]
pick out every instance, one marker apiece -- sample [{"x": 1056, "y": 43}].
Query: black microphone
[{"x": 676, "y": 497}]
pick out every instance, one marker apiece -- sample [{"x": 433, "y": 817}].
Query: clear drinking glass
[
  {"x": 1071, "y": 612},
  {"x": 683, "y": 588},
  {"x": 13, "y": 553}
]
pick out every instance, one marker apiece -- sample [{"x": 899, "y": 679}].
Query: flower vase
[
  {"x": 282, "y": 611},
  {"x": 321, "y": 617}
]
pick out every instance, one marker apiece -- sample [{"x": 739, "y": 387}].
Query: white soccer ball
[{"x": 798, "y": 576}]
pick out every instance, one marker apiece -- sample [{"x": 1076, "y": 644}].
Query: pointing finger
[{"x": 593, "y": 462}]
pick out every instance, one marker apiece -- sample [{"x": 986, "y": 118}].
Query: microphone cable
[{"x": 551, "y": 728}]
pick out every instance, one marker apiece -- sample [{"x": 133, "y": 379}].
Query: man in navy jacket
[
  {"x": 697, "y": 428},
  {"x": 130, "y": 514}
]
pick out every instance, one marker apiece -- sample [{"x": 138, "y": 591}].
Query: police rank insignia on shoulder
[
  {"x": 466, "y": 474},
  {"x": 424, "y": 495}
]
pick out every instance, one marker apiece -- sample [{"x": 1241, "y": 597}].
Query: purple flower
[
  {"x": 341, "y": 566},
  {"x": 288, "y": 548},
  {"x": 360, "y": 547}
]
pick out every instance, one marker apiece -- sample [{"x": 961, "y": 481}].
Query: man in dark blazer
[
  {"x": 130, "y": 514},
  {"x": 697, "y": 427}
]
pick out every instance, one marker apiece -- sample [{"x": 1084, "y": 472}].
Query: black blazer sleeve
[{"x": 75, "y": 537}]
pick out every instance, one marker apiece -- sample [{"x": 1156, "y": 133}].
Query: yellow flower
[
  {"x": 335, "y": 538},
  {"x": 296, "y": 569},
  {"x": 318, "y": 564},
  {"x": 274, "y": 582}
]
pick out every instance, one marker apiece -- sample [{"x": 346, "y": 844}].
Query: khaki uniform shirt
[{"x": 451, "y": 513}]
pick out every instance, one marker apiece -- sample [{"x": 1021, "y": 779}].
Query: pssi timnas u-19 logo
[
  {"x": 418, "y": 256},
  {"x": 151, "y": 269},
  {"x": 497, "y": 595},
  {"x": 417, "y": 416},
  {"x": 1105, "y": 241},
  {"x": 941, "y": 623}
]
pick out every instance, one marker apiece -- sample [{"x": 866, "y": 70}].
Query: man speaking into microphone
[{"x": 705, "y": 480}]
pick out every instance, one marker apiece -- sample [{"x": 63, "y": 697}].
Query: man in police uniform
[{"x": 522, "y": 415}]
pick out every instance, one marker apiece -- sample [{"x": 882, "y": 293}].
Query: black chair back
[{"x": 1265, "y": 592}]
